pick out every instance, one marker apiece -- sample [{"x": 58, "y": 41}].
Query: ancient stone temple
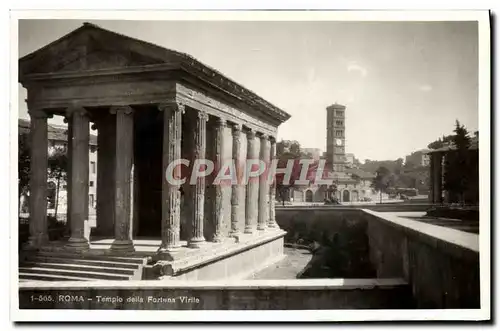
[{"x": 151, "y": 106}]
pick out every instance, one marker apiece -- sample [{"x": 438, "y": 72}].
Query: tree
[
  {"x": 23, "y": 167},
  {"x": 399, "y": 166},
  {"x": 284, "y": 154},
  {"x": 457, "y": 163},
  {"x": 331, "y": 192},
  {"x": 382, "y": 181},
  {"x": 57, "y": 165},
  {"x": 290, "y": 150}
]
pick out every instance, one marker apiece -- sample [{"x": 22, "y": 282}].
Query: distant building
[
  {"x": 349, "y": 159},
  {"x": 314, "y": 152},
  {"x": 352, "y": 185},
  {"x": 419, "y": 158},
  {"x": 57, "y": 139}
]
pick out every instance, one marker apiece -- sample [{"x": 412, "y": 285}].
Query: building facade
[
  {"x": 419, "y": 158},
  {"x": 151, "y": 106},
  {"x": 348, "y": 188},
  {"x": 350, "y": 160}
]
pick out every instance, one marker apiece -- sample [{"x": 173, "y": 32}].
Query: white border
[{"x": 320, "y": 315}]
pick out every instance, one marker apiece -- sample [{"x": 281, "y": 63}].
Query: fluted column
[
  {"x": 79, "y": 177},
  {"x": 236, "y": 187},
  {"x": 105, "y": 175},
  {"x": 264, "y": 185},
  {"x": 38, "y": 179},
  {"x": 123, "y": 172},
  {"x": 252, "y": 188},
  {"x": 272, "y": 192},
  {"x": 218, "y": 210},
  {"x": 437, "y": 160},
  {"x": 197, "y": 238},
  {"x": 171, "y": 195}
]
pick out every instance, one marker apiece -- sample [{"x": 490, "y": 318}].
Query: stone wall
[
  {"x": 384, "y": 207},
  {"x": 337, "y": 238},
  {"x": 441, "y": 264}
]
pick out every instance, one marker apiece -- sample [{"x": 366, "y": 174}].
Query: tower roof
[{"x": 336, "y": 106}]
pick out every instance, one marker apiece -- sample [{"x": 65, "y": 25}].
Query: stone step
[
  {"x": 23, "y": 277},
  {"x": 100, "y": 257},
  {"x": 75, "y": 273},
  {"x": 78, "y": 267},
  {"x": 86, "y": 262}
]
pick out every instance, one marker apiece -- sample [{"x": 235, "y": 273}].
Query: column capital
[
  {"x": 202, "y": 116},
  {"x": 221, "y": 122},
  {"x": 250, "y": 134},
  {"x": 263, "y": 136},
  {"x": 272, "y": 139},
  {"x": 79, "y": 111},
  {"x": 172, "y": 106},
  {"x": 236, "y": 129},
  {"x": 127, "y": 110},
  {"x": 39, "y": 113}
]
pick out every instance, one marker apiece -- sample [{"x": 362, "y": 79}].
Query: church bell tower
[{"x": 335, "y": 137}]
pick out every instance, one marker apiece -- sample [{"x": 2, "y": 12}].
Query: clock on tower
[{"x": 338, "y": 142}]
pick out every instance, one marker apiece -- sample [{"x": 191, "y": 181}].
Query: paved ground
[{"x": 288, "y": 268}]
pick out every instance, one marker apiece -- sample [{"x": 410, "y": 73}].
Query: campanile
[{"x": 335, "y": 137}]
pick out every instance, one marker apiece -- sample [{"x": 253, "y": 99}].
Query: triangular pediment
[{"x": 91, "y": 48}]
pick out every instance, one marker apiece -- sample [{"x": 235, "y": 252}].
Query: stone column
[
  {"x": 106, "y": 126},
  {"x": 79, "y": 178},
  {"x": 218, "y": 210},
  {"x": 123, "y": 172},
  {"x": 197, "y": 239},
  {"x": 38, "y": 179},
  {"x": 236, "y": 187},
  {"x": 69, "y": 137},
  {"x": 431, "y": 178},
  {"x": 171, "y": 195},
  {"x": 272, "y": 192},
  {"x": 252, "y": 188},
  {"x": 264, "y": 185},
  {"x": 437, "y": 178}
]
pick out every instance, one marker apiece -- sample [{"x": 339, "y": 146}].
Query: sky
[{"x": 404, "y": 83}]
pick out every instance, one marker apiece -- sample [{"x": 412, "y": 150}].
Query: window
[
  {"x": 339, "y": 113},
  {"x": 91, "y": 200},
  {"x": 339, "y": 133},
  {"x": 339, "y": 123},
  {"x": 91, "y": 184},
  {"x": 92, "y": 167}
]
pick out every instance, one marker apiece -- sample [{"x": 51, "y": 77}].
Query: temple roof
[
  {"x": 138, "y": 52},
  {"x": 474, "y": 145}
]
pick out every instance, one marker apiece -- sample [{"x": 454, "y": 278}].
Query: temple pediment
[{"x": 92, "y": 48}]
